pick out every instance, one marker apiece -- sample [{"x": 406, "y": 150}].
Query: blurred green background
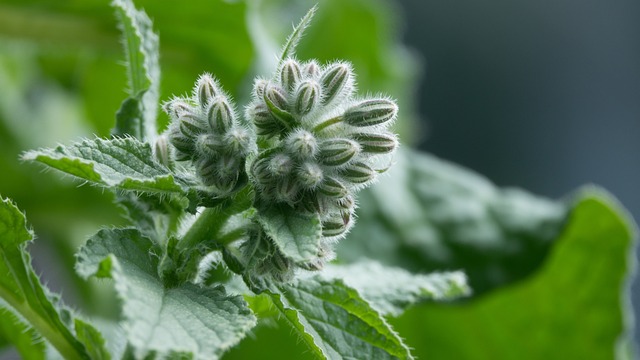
[{"x": 542, "y": 95}]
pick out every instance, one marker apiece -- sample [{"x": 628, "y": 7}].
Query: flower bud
[
  {"x": 346, "y": 204},
  {"x": 176, "y": 107},
  {"x": 220, "y": 115},
  {"x": 258, "y": 87},
  {"x": 337, "y": 152},
  {"x": 290, "y": 74},
  {"x": 376, "y": 143},
  {"x": 260, "y": 170},
  {"x": 206, "y": 89},
  {"x": 237, "y": 142},
  {"x": 280, "y": 165},
  {"x": 335, "y": 81},
  {"x": 307, "y": 96},
  {"x": 309, "y": 175},
  {"x": 228, "y": 167},
  {"x": 287, "y": 189},
  {"x": 311, "y": 69},
  {"x": 265, "y": 123},
  {"x": 206, "y": 170},
  {"x": 162, "y": 151},
  {"x": 276, "y": 101},
  {"x": 371, "y": 112},
  {"x": 301, "y": 144},
  {"x": 336, "y": 225},
  {"x": 315, "y": 203},
  {"x": 209, "y": 144},
  {"x": 182, "y": 143},
  {"x": 358, "y": 173},
  {"x": 332, "y": 188},
  {"x": 191, "y": 125}
]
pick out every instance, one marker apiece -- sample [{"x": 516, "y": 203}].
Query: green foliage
[
  {"x": 202, "y": 263},
  {"x": 565, "y": 302}
]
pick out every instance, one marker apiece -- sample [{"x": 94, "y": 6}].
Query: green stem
[{"x": 326, "y": 124}]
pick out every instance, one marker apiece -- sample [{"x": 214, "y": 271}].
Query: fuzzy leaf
[
  {"x": 391, "y": 290},
  {"x": 289, "y": 48},
  {"x": 137, "y": 115},
  {"x": 335, "y": 322},
  {"x": 126, "y": 164},
  {"x": 22, "y": 290},
  {"x": 195, "y": 321},
  {"x": 574, "y": 307},
  {"x": 92, "y": 340},
  {"x": 296, "y": 235},
  {"x": 25, "y": 339}
]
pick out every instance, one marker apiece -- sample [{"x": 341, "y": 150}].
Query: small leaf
[
  {"x": 25, "y": 339},
  {"x": 126, "y": 164},
  {"x": 391, "y": 290},
  {"x": 92, "y": 340},
  {"x": 335, "y": 322},
  {"x": 296, "y": 235},
  {"x": 137, "y": 115},
  {"x": 198, "y": 322},
  {"x": 290, "y": 45}
]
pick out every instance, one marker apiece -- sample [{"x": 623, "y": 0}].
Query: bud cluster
[
  {"x": 205, "y": 130},
  {"x": 319, "y": 144}
]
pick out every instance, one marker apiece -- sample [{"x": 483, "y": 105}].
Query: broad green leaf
[
  {"x": 296, "y": 235},
  {"x": 196, "y": 321},
  {"x": 25, "y": 339},
  {"x": 574, "y": 307},
  {"x": 335, "y": 322},
  {"x": 430, "y": 215},
  {"x": 137, "y": 115},
  {"x": 92, "y": 340},
  {"x": 391, "y": 290},
  {"x": 125, "y": 163},
  {"x": 22, "y": 289}
]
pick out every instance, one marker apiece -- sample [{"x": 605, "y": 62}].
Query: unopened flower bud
[
  {"x": 358, "y": 173},
  {"x": 228, "y": 167},
  {"x": 347, "y": 203},
  {"x": 281, "y": 165},
  {"x": 290, "y": 74},
  {"x": 309, "y": 175},
  {"x": 315, "y": 203},
  {"x": 220, "y": 115},
  {"x": 162, "y": 151},
  {"x": 176, "y": 107},
  {"x": 371, "y": 112},
  {"x": 191, "y": 125},
  {"x": 307, "y": 96},
  {"x": 301, "y": 144},
  {"x": 333, "y": 188},
  {"x": 209, "y": 144},
  {"x": 265, "y": 123},
  {"x": 335, "y": 225},
  {"x": 287, "y": 189},
  {"x": 206, "y": 89},
  {"x": 311, "y": 69},
  {"x": 260, "y": 170},
  {"x": 258, "y": 87},
  {"x": 237, "y": 142},
  {"x": 276, "y": 101},
  {"x": 337, "y": 152},
  {"x": 335, "y": 81},
  {"x": 376, "y": 143},
  {"x": 206, "y": 170},
  {"x": 182, "y": 143}
]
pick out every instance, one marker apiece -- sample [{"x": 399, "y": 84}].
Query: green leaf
[
  {"x": 201, "y": 322},
  {"x": 25, "y": 339},
  {"x": 335, "y": 322},
  {"x": 92, "y": 340},
  {"x": 22, "y": 290},
  {"x": 391, "y": 290},
  {"x": 126, "y": 164},
  {"x": 296, "y": 235},
  {"x": 574, "y": 307},
  {"x": 289, "y": 48},
  {"x": 430, "y": 215},
  {"x": 137, "y": 115}
]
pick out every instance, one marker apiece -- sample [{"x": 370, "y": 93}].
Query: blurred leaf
[
  {"x": 391, "y": 290},
  {"x": 573, "y": 308},
  {"x": 119, "y": 163},
  {"x": 15, "y": 333},
  {"x": 92, "y": 340},
  {"x": 137, "y": 115},
  {"x": 23, "y": 291},
  {"x": 335, "y": 322},
  {"x": 429, "y": 215},
  {"x": 200, "y": 322}
]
